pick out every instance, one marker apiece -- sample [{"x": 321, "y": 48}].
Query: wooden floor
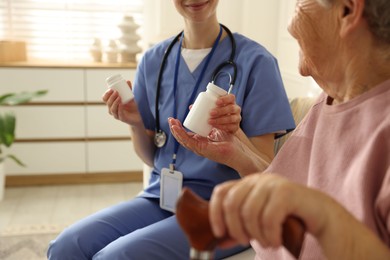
[{"x": 51, "y": 208}]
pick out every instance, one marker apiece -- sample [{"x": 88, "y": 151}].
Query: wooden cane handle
[
  {"x": 192, "y": 213},
  {"x": 293, "y": 234}
]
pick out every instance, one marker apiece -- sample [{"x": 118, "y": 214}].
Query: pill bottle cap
[
  {"x": 113, "y": 79},
  {"x": 217, "y": 90}
]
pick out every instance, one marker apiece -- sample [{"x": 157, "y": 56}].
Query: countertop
[{"x": 66, "y": 64}]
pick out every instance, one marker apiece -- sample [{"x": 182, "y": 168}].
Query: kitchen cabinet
[{"x": 68, "y": 131}]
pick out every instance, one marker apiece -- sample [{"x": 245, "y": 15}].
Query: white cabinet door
[
  {"x": 49, "y": 121},
  {"x": 48, "y": 158},
  {"x": 113, "y": 156},
  {"x": 101, "y": 124},
  {"x": 107, "y": 155},
  {"x": 64, "y": 85},
  {"x": 35, "y": 123}
]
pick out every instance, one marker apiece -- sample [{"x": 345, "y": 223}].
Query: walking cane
[{"x": 192, "y": 213}]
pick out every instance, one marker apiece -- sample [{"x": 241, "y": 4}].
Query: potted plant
[{"x": 7, "y": 128}]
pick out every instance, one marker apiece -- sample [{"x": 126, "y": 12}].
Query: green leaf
[
  {"x": 13, "y": 157},
  {"x": 12, "y": 99},
  {"x": 7, "y": 128},
  {"x": 5, "y": 97},
  {"x": 8, "y": 120}
]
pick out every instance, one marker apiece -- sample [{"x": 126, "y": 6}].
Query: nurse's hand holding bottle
[
  {"x": 226, "y": 138},
  {"x": 227, "y": 115},
  {"x": 127, "y": 113}
]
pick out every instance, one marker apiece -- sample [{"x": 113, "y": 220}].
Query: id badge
[{"x": 170, "y": 188}]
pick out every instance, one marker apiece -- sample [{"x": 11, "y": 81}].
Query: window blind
[{"x": 65, "y": 29}]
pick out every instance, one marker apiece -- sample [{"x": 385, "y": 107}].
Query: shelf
[{"x": 66, "y": 64}]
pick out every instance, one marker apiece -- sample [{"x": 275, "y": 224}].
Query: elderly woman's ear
[
  {"x": 352, "y": 14},
  {"x": 347, "y": 11}
]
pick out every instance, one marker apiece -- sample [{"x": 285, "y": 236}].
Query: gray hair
[{"x": 377, "y": 13}]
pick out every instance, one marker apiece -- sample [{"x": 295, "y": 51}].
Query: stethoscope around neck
[{"x": 160, "y": 136}]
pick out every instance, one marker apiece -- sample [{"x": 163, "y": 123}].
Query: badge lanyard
[{"x": 176, "y": 75}]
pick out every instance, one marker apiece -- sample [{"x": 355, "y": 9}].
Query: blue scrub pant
[{"x": 136, "y": 229}]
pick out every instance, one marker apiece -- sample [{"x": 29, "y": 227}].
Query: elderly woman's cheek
[{"x": 304, "y": 65}]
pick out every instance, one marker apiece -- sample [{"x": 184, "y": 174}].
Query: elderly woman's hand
[
  {"x": 227, "y": 115},
  {"x": 256, "y": 207},
  {"x": 127, "y": 113}
]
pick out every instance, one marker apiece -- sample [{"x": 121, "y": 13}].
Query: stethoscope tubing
[{"x": 159, "y": 78}]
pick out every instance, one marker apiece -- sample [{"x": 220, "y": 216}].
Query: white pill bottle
[
  {"x": 118, "y": 83},
  {"x": 196, "y": 120}
]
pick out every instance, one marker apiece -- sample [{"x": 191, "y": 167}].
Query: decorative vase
[
  {"x": 129, "y": 41},
  {"x": 96, "y": 50},
  {"x": 112, "y": 52}
]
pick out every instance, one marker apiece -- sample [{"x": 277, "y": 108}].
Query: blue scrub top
[{"x": 258, "y": 89}]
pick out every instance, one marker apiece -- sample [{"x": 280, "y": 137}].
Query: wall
[
  {"x": 266, "y": 22},
  {"x": 259, "y": 22}
]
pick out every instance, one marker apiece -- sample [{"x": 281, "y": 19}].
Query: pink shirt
[{"x": 344, "y": 151}]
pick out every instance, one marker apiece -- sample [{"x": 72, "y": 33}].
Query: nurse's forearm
[{"x": 143, "y": 143}]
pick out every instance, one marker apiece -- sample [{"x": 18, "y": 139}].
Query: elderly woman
[{"x": 333, "y": 173}]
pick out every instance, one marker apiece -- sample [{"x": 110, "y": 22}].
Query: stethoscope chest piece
[{"x": 160, "y": 138}]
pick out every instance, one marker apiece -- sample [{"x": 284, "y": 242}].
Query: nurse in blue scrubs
[{"x": 145, "y": 227}]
